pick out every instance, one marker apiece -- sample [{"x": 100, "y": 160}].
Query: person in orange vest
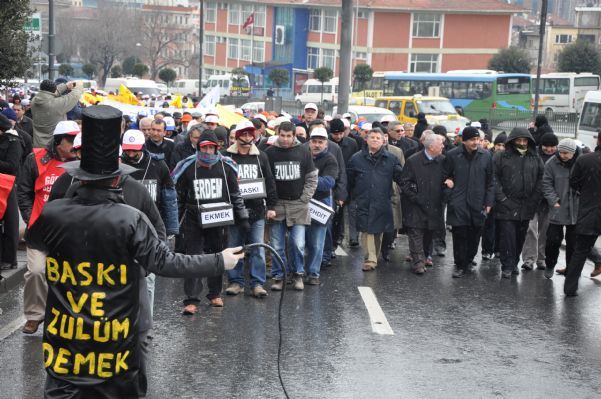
[{"x": 40, "y": 170}]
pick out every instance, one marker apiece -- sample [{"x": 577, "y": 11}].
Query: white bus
[
  {"x": 228, "y": 86},
  {"x": 186, "y": 87},
  {"x": 590, "y": 119},
  {"x": 563, "y": 92}
]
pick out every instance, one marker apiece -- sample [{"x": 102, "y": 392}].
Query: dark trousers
[
  {"x": 9, "y": 230},
  {"x": 512, "y": 234},
  {"x": 582, "y": 249},
  {"x": 387, "y": 240},
  {"x": 489, "y": 235},
  {"x": 338, "y": 226},
  {"x": 420, "y": 245},
  {"x": 555, "y": 236},
  {"x": 59, "y": 389},
  {"x": 199, "y": 241},
  {"x": 465, "y": 244}
]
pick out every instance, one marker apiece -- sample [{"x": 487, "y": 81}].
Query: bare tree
[
  {"x": 69, "y": 33},
  {"x": 109, "y": 37},
  {"x": 163, "y": 40}
]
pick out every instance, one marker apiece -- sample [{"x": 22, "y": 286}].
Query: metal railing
[{"x": 563, "y": 123}]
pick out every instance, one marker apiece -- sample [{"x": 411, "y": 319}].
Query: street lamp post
[
  {"x": 200, "y": 47},
  {"x": 51, "y": 39},
  {"x": 541, "y": 41}
]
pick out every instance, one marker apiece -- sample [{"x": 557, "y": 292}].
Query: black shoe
[
  {"x": 485, "y": 256},
  {"x": 515, "y": 272},
  {"x": 8, "y": 265},
  {"x": 353, "y": 244},
  {"x": 458, "y": 273},
  {"x": 571, "y": 293},
  {"x": 527, "y": 266},
  {"x": 506, "y": 274},
  {"x": 333, "y": 255},
  {"x": 325, "y": 264},
  {"x": 549, "y": 272},
  {"x": 473, "y": 262}
]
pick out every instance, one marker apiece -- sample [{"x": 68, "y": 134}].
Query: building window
[
  {"x": 362, "y": 14},
  {"x": 232, "y": 48},
  {"x": 328, "y": 58},
  {"x": 245, "y": 50},
  {"x": 315, "y": 20},
  {"x": 563, "y": 39},
  {"x": 424, "y": 63},
  {"x": 426, "y": 25},
  {"x": 233, "y": 15},
  {"x": 209, "y": 45},
  {"x": 312, "y": 58},
  {"x": 359, "y": 55},
  {"x": 330, "y": 21},
  {"x": 210, "y": 10},
  {"x": 258, "y": 51},
  {"x": 260, "y": 16}
]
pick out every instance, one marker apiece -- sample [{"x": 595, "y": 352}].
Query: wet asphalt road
[{"x": 476, "y": 337}]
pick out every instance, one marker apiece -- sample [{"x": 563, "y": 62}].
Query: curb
[{"x": 12, "y": 278}]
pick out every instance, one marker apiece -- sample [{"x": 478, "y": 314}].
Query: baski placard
[{"x": 252, "y": 188}]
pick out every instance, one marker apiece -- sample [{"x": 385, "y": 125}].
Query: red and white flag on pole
[{"x": 249, "y": 21}]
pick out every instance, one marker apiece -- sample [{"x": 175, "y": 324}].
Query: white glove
[{"x": 230, "y": 258}]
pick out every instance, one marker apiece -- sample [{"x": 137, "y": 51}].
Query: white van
[
  {"x": 134, "y": 85},
  {"x": 590, "y": 119},
  {"x": 228, "y": 87},
  {"x": 311, "y": 92},
  {"x": 372, "y": 114},
  {"x": 186, "y": 87}
]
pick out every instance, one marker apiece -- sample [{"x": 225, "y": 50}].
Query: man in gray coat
[{"x": 50, "y": 106}]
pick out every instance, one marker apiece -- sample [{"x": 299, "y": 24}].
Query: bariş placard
[
  {"x": 216, "y": 214},
  {"x": 252, "y": 188},
  {"x": 320, "y": 212}
]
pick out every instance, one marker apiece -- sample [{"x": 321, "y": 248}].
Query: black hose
[{"x": 274, "y": 252}]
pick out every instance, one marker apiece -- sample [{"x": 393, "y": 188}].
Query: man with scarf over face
[
  {"x": 518, "y": 174},
  {"x": 201, "y": 179},
  {"x": 254, "y": 171}
]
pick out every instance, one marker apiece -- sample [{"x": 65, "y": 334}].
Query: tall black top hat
[{"x": 100, "y": 140}]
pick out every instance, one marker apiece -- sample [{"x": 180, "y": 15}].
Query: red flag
[
  {"x": 249, "y": 21},
  {"x": 6, "y": 185}
]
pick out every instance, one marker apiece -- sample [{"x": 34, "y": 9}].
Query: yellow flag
[
  {"x": 177, "y": 103},
  {"x": 126, "y": 96},
  {"x": 90, "y": 99}
]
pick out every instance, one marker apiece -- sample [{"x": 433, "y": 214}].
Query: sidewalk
[{"x": 13, "y": 277}]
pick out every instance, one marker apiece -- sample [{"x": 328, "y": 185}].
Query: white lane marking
[
  {"x": 11, "y": 327},
  {"x": 379, "y": 324},
  {"x": 340, "y": 252}
]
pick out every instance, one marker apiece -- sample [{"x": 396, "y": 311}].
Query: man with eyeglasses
[{"x": 396, "y": 137}]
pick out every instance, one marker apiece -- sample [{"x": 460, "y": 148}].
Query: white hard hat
[{"x": 67, "y": 127}]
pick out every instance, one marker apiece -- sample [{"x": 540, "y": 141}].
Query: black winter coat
[
  {"x": 10, "y": 153},
  {"x": 69, "y": 231},
  {"x": 422, "y": 197},
  {"x": 541, "y": 127},
  {"x": 474, "y": 186},
  {"x": 518, "y": 178},
  {"x": 340, "y": 190},
  {"x": 586, "y": 179},
  {"x": 370, "y": 184}
]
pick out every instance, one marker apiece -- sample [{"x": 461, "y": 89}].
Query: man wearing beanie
[
  {"x": 24, "y": 138},
  {"x": 50, "y": 106},
  {"x": 257, "y": 188},
  {"x": 534, "y": 246},
  {"x": 518, "y": 175},
  {"x": 563, "y": 204},
  {"x": 471, "y": 196}
]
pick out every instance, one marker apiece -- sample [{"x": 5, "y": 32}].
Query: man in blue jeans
[
  {"x": 257, "y": 187},
  {"x": 327, "y": 167},
  {"x": 296, "y": 180}
]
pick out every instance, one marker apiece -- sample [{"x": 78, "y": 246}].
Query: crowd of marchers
[{"x": 308, "y": 184}]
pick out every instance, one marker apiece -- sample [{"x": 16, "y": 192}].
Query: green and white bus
[{"x": 475, "y": 94}]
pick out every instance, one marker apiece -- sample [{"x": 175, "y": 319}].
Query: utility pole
[
  {"x": 51, "y": 39},
  {"x": 346, "y": 53},
  {"x": 541, "y": 41},
  {"x": 200, "y": 49}
]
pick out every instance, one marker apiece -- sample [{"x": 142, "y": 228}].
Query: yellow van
[{"x": 438, "y": 110}]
